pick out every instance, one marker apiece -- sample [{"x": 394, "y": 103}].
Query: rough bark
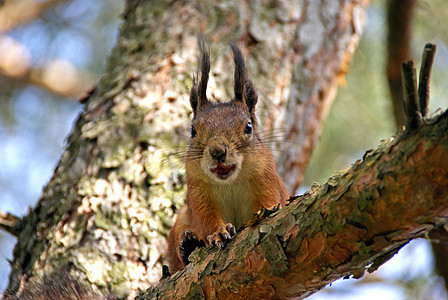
[
  {"x": 106, "y": 211},
  {"x": 355, "y": 222}
]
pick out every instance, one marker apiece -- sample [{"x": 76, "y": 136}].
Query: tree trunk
[{"x": 105, "y": 213}]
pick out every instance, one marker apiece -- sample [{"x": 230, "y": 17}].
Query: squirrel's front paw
[
  {"x": 188, "y": 244},
  {"x": 223, "y": 234}
]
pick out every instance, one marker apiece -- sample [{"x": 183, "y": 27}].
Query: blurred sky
[{"x": 34, "y": 124}]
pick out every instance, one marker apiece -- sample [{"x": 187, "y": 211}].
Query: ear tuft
[
  {"x": 194, "y": 98},
  {"x": 240, "y": 72},
  {"x": 244, "y": 89},
  {"x": 198, "y": 93},
  {"x": 250, "y": 96}
]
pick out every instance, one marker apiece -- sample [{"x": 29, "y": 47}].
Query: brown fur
[{"x": 221, "y": 136}]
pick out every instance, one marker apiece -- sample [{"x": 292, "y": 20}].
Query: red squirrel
[{"x": 230, "y": 172}]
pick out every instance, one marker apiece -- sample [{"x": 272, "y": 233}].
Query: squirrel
[{"x": 230, "y": 172}]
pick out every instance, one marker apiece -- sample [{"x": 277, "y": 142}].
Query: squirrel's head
[{"x": 223, "y": 135}]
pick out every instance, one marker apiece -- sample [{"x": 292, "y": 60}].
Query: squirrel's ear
[
  {"x": 244, "y": 89},
  {"x": 198, "y": 93}
]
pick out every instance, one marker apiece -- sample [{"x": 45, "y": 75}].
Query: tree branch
[
  {"x": 317, "y": 70},
  {"x": 57, "y": 76},
  {"x": 355, "y": 222},
  {"x": 424, "y": 78},
  {"x": 411, "y": 103},
  {"x": 9, "y": 222},
  {"x": 18, "y": 12}
]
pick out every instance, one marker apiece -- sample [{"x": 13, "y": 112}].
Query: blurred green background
[{"x": 72, "y": 39}]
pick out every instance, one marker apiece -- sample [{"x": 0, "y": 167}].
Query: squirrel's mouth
[{"x": 222, "y": 171}]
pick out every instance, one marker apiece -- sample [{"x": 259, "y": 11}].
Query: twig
[
  {"x": 424, "y": 78},
  {"x": 411, "y": 107},
  {"x": 9, "y": 222}
]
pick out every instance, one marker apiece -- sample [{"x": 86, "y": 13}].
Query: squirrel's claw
[
  {"x": 188, "y": 244},
  {"x": 231, "y": 229},
  {"x": 223, "y": 234},
  {"x": 274, "y": 208},
  {"x": 263, "y": 213}
]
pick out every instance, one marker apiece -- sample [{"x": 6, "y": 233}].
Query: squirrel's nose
[{"x": 218, "y": 152}]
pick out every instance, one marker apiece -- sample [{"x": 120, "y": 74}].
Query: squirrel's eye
[
  {"x": 193, "y": 132},
  {"x": 248, "y": 129}
]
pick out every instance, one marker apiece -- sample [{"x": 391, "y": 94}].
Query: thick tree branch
[
  {"x": 355, "y": 222},
  {"x": 399, "y": 18}
]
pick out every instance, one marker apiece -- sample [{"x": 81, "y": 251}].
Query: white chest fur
[{"x": 234, "y": 201}]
